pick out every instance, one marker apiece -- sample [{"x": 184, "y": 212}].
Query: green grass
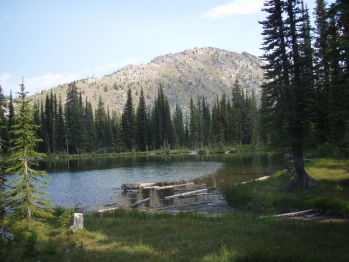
[
  {"x": 135, "y": 236},
  {"x": 331, "y": 194},
  {"x": 126, "y": 235}
]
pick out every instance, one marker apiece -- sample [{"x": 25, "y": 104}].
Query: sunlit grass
[
  {"x": 331, "y": 194},
  {"x": 239, "y": 236},
  {"x": 126, "y": 235}
]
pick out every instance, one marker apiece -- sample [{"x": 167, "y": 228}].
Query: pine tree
[
  {"x": 25, "y": 197},
  {"x": 142, "y": 123},
  {"x": 128, "y": 125},
  {"x": 89, "y": 133},
  {"x": 193, "y": 125},
  {"x": 73, "y": 120},
  {"x": 179, "y": 125},
  {"x": 289, "y": 92},
  {"x": 100, "y": 120},
  {"x": 339, "y": 56},
  {"x": 321, "y": 70},
  {"x": 59, "y": 130},
  {"x": 3, "y": 133},
  {"x": 10, "y": 122}
]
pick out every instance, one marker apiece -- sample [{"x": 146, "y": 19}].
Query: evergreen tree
[
  {"x": 25, "y": 197},
  {"x": 128, "y": 125},
  {"x": 339, "y": 56},
  {"x": 89, "y": 133},
  {"x": 193, "y": 125},
  {"x": 237, "y": 108},
  {"x": 142, "y": 123},
  {"x": 10, "y": 122},
  {"x": 73, "y": 119},
  {"x": 321, "y": 69},
  {"x": 59, "y": 130},
  {"x": 289, "y": 92},
  {"x": 3, "y": 133},
  {"x": 100, "y": 120},
  {"x": 3, "y": 121},
  {"x": 179, "y": 125}
]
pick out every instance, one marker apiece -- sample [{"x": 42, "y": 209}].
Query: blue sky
[{"x": 51, "y": 42}]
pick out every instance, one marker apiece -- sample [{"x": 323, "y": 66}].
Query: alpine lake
[{"x": 90, "y": 184}]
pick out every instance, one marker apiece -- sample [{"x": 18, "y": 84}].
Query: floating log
[
  {"x": 136, "y": 185},
  {"x": 140, "y": 202},
  {"x": 257, "y": 179},
  {"x": 187, "y": 193},
  {"x": 107, "y": 210},
  {"x": 166, "y": 187}
]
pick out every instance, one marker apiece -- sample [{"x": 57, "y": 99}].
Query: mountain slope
[{"x": 196, "y": 72}]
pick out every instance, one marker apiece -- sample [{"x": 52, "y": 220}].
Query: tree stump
[{"x": 78, "y": 220}]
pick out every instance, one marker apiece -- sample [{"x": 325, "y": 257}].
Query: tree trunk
[{"x": 302, "y": 179}]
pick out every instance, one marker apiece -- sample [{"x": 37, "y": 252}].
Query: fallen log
[
  {"x": 166, "y": 187},
  {"x": 136, "y": 185},
  {"x": 107, "y": 210},
  {"x": 293, "y": 214},
  {"x": 298, "y": 213},
  {"x": 257, "y": 179},
  {"x": 140, "y": 202},
  {"x": 187, "y": 193}
]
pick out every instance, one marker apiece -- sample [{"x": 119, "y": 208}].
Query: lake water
[{"x": 92, "y": 183}]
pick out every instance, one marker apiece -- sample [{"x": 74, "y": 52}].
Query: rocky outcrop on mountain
[{"x": 208, "y": 72}]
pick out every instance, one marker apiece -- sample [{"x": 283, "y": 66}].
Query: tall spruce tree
[
  {"x": 142, "y": 123},
  {"x": 73, "y": 120},
  {"x": 128, "y": 125},
  {"x": 288, "y": 93},
  {"x": 3, "y": 133},
  {"x": 10, "y": 122},
  {"x": 25, "y": 196},
  {"x": 59, "y": 129},
  {"x": 101, "y": 123}
]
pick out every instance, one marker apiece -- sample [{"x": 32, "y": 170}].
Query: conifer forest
[{"x": 304, "y": 99}]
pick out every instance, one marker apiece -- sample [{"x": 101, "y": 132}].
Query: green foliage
[
  {"x": 28, "y": 244},
  {"x": 65, "y": 217},
  {"x": 25, "y": 196}
]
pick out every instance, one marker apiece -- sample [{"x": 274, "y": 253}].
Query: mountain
[{"x": 208, "y": 72}]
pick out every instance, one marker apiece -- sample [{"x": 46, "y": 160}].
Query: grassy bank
[
  {"x": 213, "y": 150},
  {"x": 239, "y": 236},
  {"x": 331, "y": 195}
]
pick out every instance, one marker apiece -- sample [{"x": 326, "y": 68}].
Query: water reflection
[{"x": 92, "y": 183}]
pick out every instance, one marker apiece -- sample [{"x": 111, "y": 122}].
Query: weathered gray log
[
  {"x": 136, "y": 185},
  {"x": 78, "y": 220},
  {"x": 140, "y": 202},
  {"x": 107, "y": 210},
  {"x": 187, "y": 193},
  {"x": 298, "y": 213},
  {"x": 166, "y": 187},
  {"x": 257, "y": 179}
]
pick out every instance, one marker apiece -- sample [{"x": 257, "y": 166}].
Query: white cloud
[
  {"x": 35, "y": 84},
  {"x": 101, "y": 70},
  {"x": 238, "y": 7}
]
